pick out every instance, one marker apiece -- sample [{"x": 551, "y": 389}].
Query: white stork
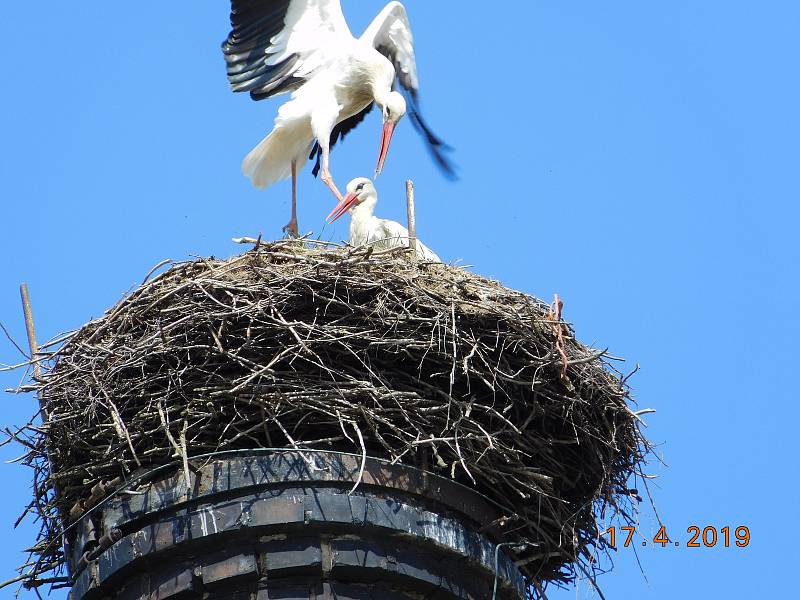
[
  {"x": 366, "y": 228},
  {"x": 304, "y": 47}
]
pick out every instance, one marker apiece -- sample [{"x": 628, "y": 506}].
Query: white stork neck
[
  {"x": 381, "y": 80},
  {"x": 366, "y": 209},
  {"x": 381, "y": 93},
  {"x": 361, "y": 220}
]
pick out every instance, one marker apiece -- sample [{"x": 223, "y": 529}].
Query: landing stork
[{"x": 305, "y": 48}]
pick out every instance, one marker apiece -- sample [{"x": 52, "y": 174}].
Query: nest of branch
[{"x": 345, "y": 349}]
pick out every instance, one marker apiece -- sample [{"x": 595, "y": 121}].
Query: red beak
[
  {"x": 386, "y": 140},
  {"x": 341, "y": 208}
]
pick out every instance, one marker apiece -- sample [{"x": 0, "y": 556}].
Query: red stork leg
[
  {"x": 326, "y": 174},
  {"x": 291, "y": 227}
]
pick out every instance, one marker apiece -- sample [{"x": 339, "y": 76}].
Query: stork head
[
  {"x": 360, "y": 192},
  {"x": 394, "y": 108}
]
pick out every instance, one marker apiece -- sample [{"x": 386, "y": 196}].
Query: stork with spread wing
[{"x": 305, "y": 48}]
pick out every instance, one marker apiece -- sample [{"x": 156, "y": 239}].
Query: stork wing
[
  {"x": 390, "y": 34},
  {"x": 275, "y": 45}
]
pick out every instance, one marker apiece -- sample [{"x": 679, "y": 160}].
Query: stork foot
[
  {"x": 291, "y": 229},
  {"x": 327, "y": 179}
]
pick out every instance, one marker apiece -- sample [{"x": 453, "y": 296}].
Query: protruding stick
[
  {"x": 32, "y": 343},
  {"x": 412, "y": 218}
]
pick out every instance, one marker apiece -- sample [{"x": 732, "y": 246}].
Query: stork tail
[{"x": 271, "y": 161}]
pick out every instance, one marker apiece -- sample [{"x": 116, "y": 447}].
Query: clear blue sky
[{"x": 639, "y": 158}]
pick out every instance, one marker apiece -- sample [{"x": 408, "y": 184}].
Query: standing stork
[{"x": 305, "y": 48}]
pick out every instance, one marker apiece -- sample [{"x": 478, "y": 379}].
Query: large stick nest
[{"x": 345, "y": 349}]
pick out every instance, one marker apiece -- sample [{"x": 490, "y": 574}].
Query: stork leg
[
  {"x": 291, "y": 228},
  {"x": 326, "y": 174}
]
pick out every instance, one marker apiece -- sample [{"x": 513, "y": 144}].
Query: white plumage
[
  {"x": 367, "y": 229},
  {"x": 305, "y": 48}
]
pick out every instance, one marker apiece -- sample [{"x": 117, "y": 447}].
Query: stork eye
[
  {"x": 388, "y": 112},
  {"x": 360, "y": 187}
]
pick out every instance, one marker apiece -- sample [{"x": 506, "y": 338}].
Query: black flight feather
[{"x": 247, "y": 50}]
